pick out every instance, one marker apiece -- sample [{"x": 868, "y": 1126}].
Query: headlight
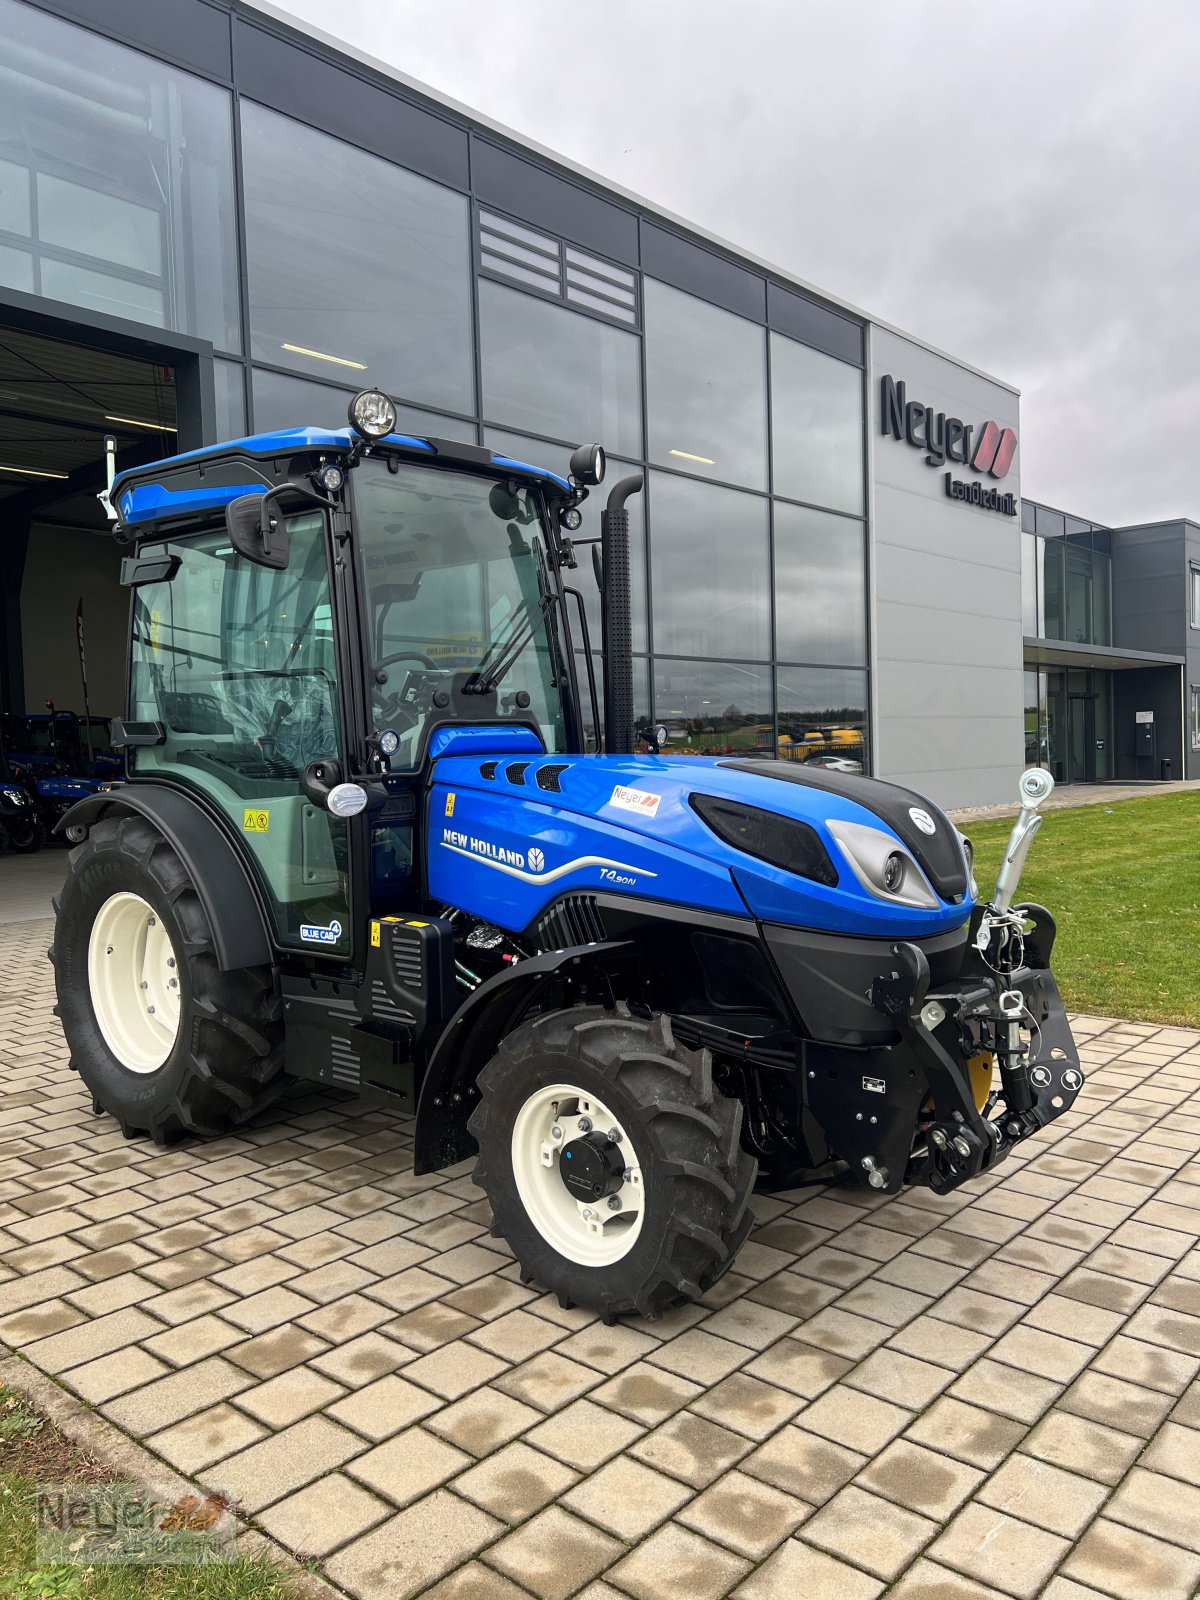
[
  {"x": 372, "y": 414},
  {"x": 968, "y": 850},
  {"x": 883, "y": 866},
  {"x": 783, "y": 841}
]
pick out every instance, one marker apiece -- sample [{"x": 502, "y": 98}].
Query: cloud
[{"x": 1016, "y": 184}]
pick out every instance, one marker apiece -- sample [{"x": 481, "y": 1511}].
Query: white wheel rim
[
  {"x": 134, "y": 982},
  {"x": 593, "y": 1233}
]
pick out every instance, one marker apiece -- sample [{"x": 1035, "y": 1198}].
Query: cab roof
[{"x": 209, "y": 478}]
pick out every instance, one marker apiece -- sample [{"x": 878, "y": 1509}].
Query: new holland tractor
[{"x": 363, "y": 842}]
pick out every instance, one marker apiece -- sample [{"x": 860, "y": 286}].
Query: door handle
[{"x": 320, "y": 776}]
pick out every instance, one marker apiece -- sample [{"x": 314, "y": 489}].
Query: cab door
[{"x": 238, "y": 663}]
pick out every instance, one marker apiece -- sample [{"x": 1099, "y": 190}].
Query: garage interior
[{"x": 58, "y": 402}]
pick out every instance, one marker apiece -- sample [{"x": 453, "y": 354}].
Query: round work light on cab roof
[
  {"x": 587, "y": 464},
  {"x": 372, "y": 414}
]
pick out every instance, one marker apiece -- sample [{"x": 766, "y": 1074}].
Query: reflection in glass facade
[
  {"x": 118, "y": 193},
  {"x": 355, "y": 266},
  {"x": 706, "y": 388},
  {"x": 116, "y": 180}
]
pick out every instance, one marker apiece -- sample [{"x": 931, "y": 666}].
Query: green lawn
[
  {"x": 33, "y": 1453},
  {"x": 1123, "y": 885}
]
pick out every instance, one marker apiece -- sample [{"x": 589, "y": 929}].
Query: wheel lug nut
[
  {"x": 144, "y": 984},
  {"x": 614, "y": 1136},
  {"x": 170, "y": 961},
  {"x": 614, "y": 1202},
  {"x": 586, "y": 1215},
  {"x": 627, "y": 1175},
  {"x": 585, "y": 1124},
  {"x": 150, "y": 1010},
  {"x": 556, "y": 1132}
]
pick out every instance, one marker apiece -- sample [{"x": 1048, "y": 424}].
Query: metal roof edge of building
[
  {"x": 1099, "y": 655},
  {"x": 484, "y": 124}
]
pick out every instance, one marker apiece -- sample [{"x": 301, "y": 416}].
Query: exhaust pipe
[
  {"x": 1036, "y": 786},
  {"x": 618, "y": 618}
]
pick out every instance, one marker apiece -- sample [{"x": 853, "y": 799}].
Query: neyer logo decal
[{"x": 989, "y": 448}]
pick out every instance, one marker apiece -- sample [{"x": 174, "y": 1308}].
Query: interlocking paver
[{"x": 982, "y": 1394}]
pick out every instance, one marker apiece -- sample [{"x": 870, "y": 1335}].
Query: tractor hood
[{"x": 516, "y": 834}]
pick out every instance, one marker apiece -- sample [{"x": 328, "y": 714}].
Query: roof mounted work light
[
  {"x": 587, "y": 465},
  {"x": 372, "y": 414}
]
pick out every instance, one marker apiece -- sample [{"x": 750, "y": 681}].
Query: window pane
[
  {"x": 120, "y": 231},
  {"x": 708, "y": 553},
  {"x": 133, "y": 166},
  {"x": 549, "y": 370},
  {"x": 641, "y": 695},
  {"x": 556, "y": 457},
  {"x": 102, "y": 291},
  {"x": 816, "y": 426},
  {"x": 1195, "y": 717},
  {"x": 711, "y": 708},
  {"x": 820, "y": 587},
  {"x": 706, "y": 389},
  {"x": 16, "y": 269},
  {"x": 1195, "y": 575},
  {"x": 15, "y": 212},
  {"x": 231, "y": 401},
  {"x": 1029, "y": 563},
  {"x": 283, "y": 402},
  {"x": 355, "y": 263},
  {"x": 823, "y": 717}
]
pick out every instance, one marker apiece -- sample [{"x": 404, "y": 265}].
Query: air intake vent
[
  {"x": 515, "y": 772},
  {"x": 575, "y": 919},
  {"x": 507, "y": 250},
  {"x": 488, "y": 771},
  {"x": 518, "y": 254},
  {"x": 601, "y": 287},
  {"x": 548, "y": 778}
]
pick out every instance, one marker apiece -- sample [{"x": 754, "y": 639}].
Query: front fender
[
  {"x": 220, "y": 876},
  {"x": 473, "y": 1036}
]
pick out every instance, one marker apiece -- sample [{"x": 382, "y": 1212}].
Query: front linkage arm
[{"x": 980, "y": 1016}]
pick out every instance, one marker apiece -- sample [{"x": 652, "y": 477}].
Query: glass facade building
[{"x": 206, "y": 171}]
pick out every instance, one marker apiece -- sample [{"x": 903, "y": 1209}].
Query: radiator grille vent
[
  {"x": 488, "y": 771},
  {"x": 573, "y": 920},
  {"x": 515, "y": 772}
]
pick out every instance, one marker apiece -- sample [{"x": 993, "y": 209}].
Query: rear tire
[
  {"x": 131, "y": 932},
  {"x": 680, "y": 1139}
]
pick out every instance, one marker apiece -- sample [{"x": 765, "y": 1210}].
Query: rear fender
[
  {"x": 220, "y": 875},
  {"x": 473, "y": 1036}
]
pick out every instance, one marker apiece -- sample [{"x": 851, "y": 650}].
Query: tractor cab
[{"x": 317, "y": 617}]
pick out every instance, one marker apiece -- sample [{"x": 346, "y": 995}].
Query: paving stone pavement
[{"x": 988, "y": 1394}]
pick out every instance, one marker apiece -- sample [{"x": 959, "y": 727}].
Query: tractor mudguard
[
  {"x": 240, "y": 937},
  {"x": 472, "y": 1038}
]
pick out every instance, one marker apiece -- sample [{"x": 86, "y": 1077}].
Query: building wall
[
  {"x": 946, "y": 597},
  {"x": 1191, "y": 553},
  {"x": 63, "y": 565}
]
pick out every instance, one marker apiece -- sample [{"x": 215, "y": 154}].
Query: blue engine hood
[{"x": 509, "y": 835}]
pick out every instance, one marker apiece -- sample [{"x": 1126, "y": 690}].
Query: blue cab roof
[{"x": 146, "y": 494}]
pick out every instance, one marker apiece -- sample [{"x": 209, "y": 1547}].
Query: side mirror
[{"x": 257, "y": 531}]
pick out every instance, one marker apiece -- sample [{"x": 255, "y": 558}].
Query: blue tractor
[{"x": 366, "y": 840}]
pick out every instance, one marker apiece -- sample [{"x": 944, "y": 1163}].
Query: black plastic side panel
[
  {"x": 829, "y": 978},
  {"x": 220, "y": 875}
]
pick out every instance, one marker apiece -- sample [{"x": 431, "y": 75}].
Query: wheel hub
[
  {"x": 133, "y": 980},
  {"x": 592, "y": 1167},
  {"x": 578, "y": 1175}
]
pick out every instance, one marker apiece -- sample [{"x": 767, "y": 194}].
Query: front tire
[
  {"x": 26, "y": 836},
  {"x": 681, "y": 1182},
  {"x": 164, "y": 1040}
]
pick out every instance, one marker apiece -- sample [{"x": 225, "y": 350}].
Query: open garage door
[{"x": 58, "y": 402}]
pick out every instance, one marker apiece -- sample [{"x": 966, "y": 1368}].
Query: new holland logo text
[
  {"x": 990, "y": 448},
  {"x": 532, "y": 867}
]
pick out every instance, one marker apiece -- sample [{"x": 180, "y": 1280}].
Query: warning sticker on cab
[
  {"x": 450, "y": 805},
  {"x": 639, "y": 801},
  {"x": 375, "y": 931},
  {"x": 256, "y": 821}
]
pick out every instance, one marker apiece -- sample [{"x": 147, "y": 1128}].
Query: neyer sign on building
[{"x": 988, "y": 449}]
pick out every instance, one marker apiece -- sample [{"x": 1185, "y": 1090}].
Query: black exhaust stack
[{"x": 618, "y": 618}]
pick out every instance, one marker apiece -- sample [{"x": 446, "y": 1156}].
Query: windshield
[{"x": 460, "y": 604}]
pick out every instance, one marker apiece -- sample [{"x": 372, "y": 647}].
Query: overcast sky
[{"x": 1018, "y": 183}]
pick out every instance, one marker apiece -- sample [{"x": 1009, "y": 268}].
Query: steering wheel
[
  {"x": 391, "y": 707},
  {"x": 407, "y": 655}
]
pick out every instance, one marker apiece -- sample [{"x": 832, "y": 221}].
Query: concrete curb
[{"x": 105, "y": 1441}]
